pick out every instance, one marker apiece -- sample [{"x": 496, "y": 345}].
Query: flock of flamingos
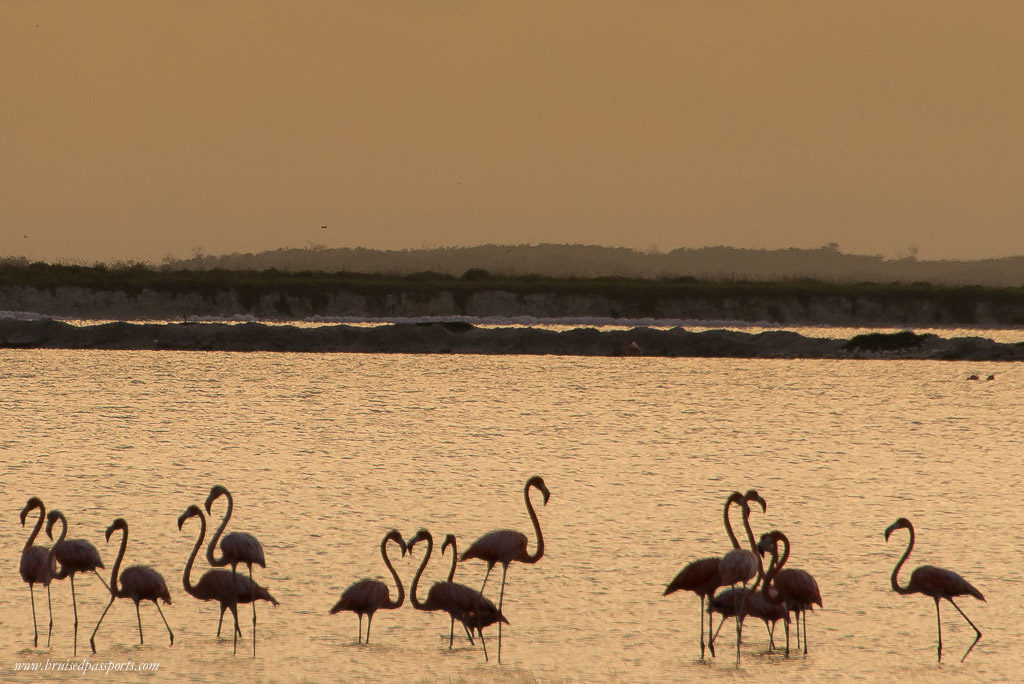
[{"x": 776, "y": 593}]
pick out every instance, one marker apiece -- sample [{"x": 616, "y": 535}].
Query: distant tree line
[{"x": 582, "y": 261}]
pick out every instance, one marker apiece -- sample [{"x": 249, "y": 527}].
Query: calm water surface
[{"x": 326, "y": 453}]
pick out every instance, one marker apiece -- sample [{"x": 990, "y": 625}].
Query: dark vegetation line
[{"x": 132, "y": 279}]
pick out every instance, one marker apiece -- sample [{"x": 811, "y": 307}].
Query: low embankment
[{"x": 462, "y": 338}]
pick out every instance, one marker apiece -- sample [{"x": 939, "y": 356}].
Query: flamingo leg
[
  {"x": 49, "y": 607},
  {"x": 481, "y": 633},
  {"x": 501, "y": 598},
  {"x": 702, "y": 626},
  {"x": 252, "y": 588},
  {"x": 74, "y": 604},
  {"x": 165, "y": 621},
  {"x": 138, "y": 615},
  {"x": 739, "y": 625},
  {"x": 796, "y": 614},
  {"x": 451, "y": 633},
  {"x": 35, "y": 630},
  {"x": 469, "y": 634},
  {"x": 360, "y": 628},
  {"x": 938, "y": 621},
  {"x": 92, "y": 639},
  {"x": 805, "y": 632},
  {"x": 369, "y": 621},
  {"x": 102, "y": 581},
  {"x": 711, "y": 637},
  {"x": 486, "y": 575},
  {"x": 234, "y": 602},
  {"x": 976, "y": 631},
  {"x": 223, "y": 607},
  {"x": 771, "y": 635},
  {"x": 787, "y": 635}
]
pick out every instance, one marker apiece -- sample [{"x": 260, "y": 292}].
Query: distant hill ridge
[{"x": 714, "y": 263}]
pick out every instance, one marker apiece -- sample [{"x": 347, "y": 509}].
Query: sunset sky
[{"x": 140, "y": 130}]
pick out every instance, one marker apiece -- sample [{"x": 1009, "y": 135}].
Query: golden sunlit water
[{"x": 326, "y": 453}]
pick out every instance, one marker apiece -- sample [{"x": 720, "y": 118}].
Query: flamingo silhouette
[
  {"x": 449, "y": 541},
  {"x": 938, "y": 583},
  {"x": 795, "y": 589},
  {"x": 219, "y": 585},
  {"x": 740, "y": 565},
  {"x": 37, "y": 566},
  {"x": 702, "y": 576},
  {"x": 506, "y": 546},
  {"x": 235, "y": 548},
  {"x": 74, "y": 556},
  {"x": 367, "y": 596},
  {"x": 468, "y": 606},
  {"x": 138, "y": 583}
]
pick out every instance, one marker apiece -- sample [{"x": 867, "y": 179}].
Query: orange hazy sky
[{"x": 139, "y": 130}]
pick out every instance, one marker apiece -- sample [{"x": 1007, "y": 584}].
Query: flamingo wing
[
  {"x": 364, "y": 595},
  {"x": 941, "y": 583},
  {"x": 700, "y": 576},
  {"x": 500, "y": 546},
  {"x": 240, "y": 547},
  {"x": 140, "y": 582}
]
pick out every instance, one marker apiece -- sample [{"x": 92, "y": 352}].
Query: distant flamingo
[
  {"x": 938, "y": 583},
  {"x": 367, "y": 596},
  {"x": 468, "y": 606},
  {"x": 74, "y": 556},
  {"x": 235, "y": 548},
  {"x": 138, "y": 583},
  {"x": 219, "y": 585},
  {"x": 702, "y": 576},
  {"x": 37, "y": 566},
  {"x": 506, "y": 546},
  {"x": 797, "y": 589}
]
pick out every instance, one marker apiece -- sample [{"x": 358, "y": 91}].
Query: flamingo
[
  {"x": 468, "y": 606},
  {"x": 506, "y": 546},
  {"x": 702, "y": 576},
  {"x": 74, "y": 556},
  {"x": 795, "y": 588},
  {"x": 235, "y": 548},
  {"x": 938, "y": 583},
  {"x": 138, "y": 583},
  {"x": 449, "y": 541},
  {"x": 37, "y": 566},
  {"x": 367, "y": 596},
  {"x": 219, "y": 585},
  {"x": 740, "y": 565}
]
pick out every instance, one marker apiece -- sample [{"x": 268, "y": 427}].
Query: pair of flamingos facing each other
[
  {"x": 790, "y": 590},
  {"x": 469, "y": 606},
  {"x": 138, "y": 583}
]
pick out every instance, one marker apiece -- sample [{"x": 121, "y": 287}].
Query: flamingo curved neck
[
  {"x": 35, "y": 528},
  {"x": 775, "y": 566},
  {"x": 416, "y": 578},
  {"x": 63, "y": 572},
  {"x": 896, "y": 571},
  {"x": 536, "y": 556},
  {"x": 753, "y": 544},
  {"x": 398, "y": 582},
  {"x": 728, "y": 526},
  {"x": 186, "y": 578},
  {"x": 213, "y": 560},
  {"x": 455, "y": 560},
  {"x": 114, "y": 590}
]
